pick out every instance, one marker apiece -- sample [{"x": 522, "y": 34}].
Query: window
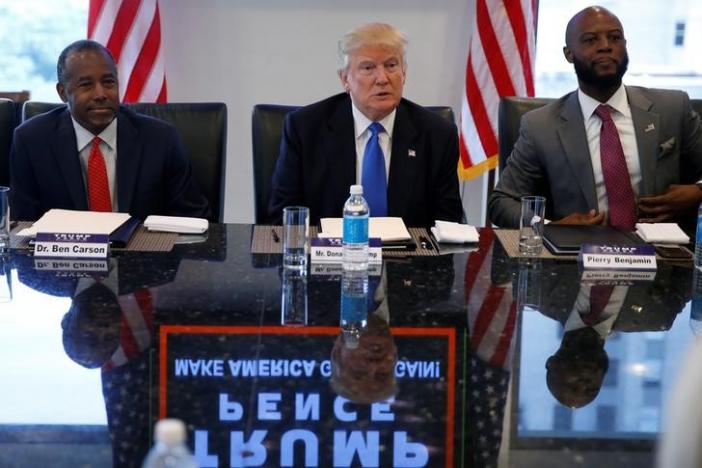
[
  {"x": 654, "y": 60},
  {"x": 612, "y": 376},
  {"x": 654, "y": 349},
  {"x": 606, "y": 418},
  {"x": 32, "y": 34},
  {"x": 562, "y": 418},
  {"x": 679, "y": 33},
  {"x": 651, "y": 392}
]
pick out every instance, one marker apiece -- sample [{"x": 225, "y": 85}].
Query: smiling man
[
  {"x": 96, "y": 155},
  {"x": 404, "y": 155},
  {"x": 606, "y": 153}
]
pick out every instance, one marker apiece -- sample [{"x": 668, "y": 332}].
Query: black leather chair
[
  {"x": 202, "y": 128},
  {"x": 509, "y": 118},
  {"x": 266, "y": 131},
  {"x": 8, "y": 123}
]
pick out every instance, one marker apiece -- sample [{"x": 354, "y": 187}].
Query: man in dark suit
[
  {"x": 326, "y": 147},
  {"x": 565, "y": 149},
  {"x": 95, "y": 154}
]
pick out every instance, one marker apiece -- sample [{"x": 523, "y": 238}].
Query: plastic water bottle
[
  {"x": 170, "y": 450},
  {"x": 696, "y": 303},
  {"x": 698, "y": 240},
  {"x": 355, "y": 237},
  {"x": 354, "y": 306}
]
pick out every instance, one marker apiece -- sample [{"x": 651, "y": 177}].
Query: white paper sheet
[
  {"x": 178, "y": 224},
  {"x": 71, "y": 221},
  {"x": 387, "y": 229},
  {"x": 662, "y": 233}
]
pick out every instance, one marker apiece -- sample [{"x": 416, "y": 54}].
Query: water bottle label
[
  {"x": 699, "y": 229},
  {"x": 356, "y": 230},
  {"x": 353, "y": 308}
]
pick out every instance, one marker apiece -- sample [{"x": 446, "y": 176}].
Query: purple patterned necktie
[{"x": 620, "y": 195}]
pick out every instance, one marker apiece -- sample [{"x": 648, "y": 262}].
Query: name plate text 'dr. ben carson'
[
  {"x": 70, "y": 245},
  {"x": 618, "y": 257}
]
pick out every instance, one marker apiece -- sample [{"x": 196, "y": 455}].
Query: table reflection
[{"x": 466, "y": 359}]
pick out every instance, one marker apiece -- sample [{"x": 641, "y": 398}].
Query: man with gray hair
[{"x": 405, "y": 156}]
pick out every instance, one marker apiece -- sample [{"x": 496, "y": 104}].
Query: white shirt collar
[
  {"x": 84, "y": 136},
  {"x": 362, "y": 122},
  {"x": 618, "y": 102}
]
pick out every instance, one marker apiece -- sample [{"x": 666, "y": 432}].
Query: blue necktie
[{"x": 375, "y": 186}]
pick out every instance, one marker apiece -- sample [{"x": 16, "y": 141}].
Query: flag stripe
[
  {"x": 104, "y": 20},
  {"x": 94, "y": 10},
  {"x": 518, "y": 22},
  {"x": 131, "y": 30},
  {"x": 481, "y": 118},
  {"x": 495, "y": 60},
  {"x": 500, "y": 63},
  {"x": 504, "y": 344},
  {"x": 123, "y": 22},
  {"x": 144, "y": 61}
]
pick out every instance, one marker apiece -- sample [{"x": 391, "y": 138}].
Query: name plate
[
  {"x": 329, "y": 250},
  {"x": 333, "y": 270},
  {"x": 617, "y": 277},
  {"x": 618, "y": 257},
  {"x": 65, "y": 267},
  {"x": 70, "y": 245}
]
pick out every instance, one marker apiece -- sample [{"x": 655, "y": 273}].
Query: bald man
[{"x": 570, "y": 152}]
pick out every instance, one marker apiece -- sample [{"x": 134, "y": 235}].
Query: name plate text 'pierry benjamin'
[{"x": 616, "y": 257}]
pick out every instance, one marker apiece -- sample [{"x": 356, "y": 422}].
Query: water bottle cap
[
  {"x": 351, "y": 339},
  {"x": 357, "y": 190},
  {"x": 170, "y": 431}
]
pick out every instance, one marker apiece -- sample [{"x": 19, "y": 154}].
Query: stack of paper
[
  {"x": 662, "y": 233},
  {"x": 80, "y": 222},
  {"x": 387, "y": 229}
]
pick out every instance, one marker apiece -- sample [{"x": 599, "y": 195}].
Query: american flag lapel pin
[
  {"x": 411, "y": 153},
  {"x": 650, "y": 127}
]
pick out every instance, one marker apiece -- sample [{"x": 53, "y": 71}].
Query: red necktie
[
  {"x": 620, "y": 195},
  {"x": 98, "y": 185},
  {"x": 599, "y": 298}
]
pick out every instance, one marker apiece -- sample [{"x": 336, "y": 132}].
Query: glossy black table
[{"x": 466, "y": 359}]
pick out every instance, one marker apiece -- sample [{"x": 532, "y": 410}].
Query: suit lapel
[
  {"x": 646, "y": 127},
  {"x": 65, "y": 147},
  {"x": 129, "y": 151},
  {"x": 340, "y": 149},
  {"x": 574, "y": 141},
  {"x": 405, "y": 158}
]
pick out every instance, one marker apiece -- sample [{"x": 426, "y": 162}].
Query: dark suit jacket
[
  {"x": 317, "y": 163},
  {"x": 153, "y": 172},
  {"x": 551, "y": 156}
]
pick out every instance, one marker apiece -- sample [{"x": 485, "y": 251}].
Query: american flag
[
  {"x": 136, "y": 327},
  {"x": 492, "y": 316},
  {"x": 500, "y": 63},
  {"x": 131, "y": 30}
]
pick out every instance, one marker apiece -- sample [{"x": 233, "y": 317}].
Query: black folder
[
  {"x": 120, "y": 236},
  {"x": 564, "y": 239}
]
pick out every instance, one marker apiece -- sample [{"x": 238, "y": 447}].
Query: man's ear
[
  {"x": 344, "y": 79},
  {"x": 568, "y": 54},
  {"x": 61, "y": 90}
]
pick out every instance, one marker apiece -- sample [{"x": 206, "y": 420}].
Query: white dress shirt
[
  {"x": 361, "y": 123},
  {"x": 608, "y": 315},
  {"x": 108, "y": 146},
  {"x": 625, "y": 126}
]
